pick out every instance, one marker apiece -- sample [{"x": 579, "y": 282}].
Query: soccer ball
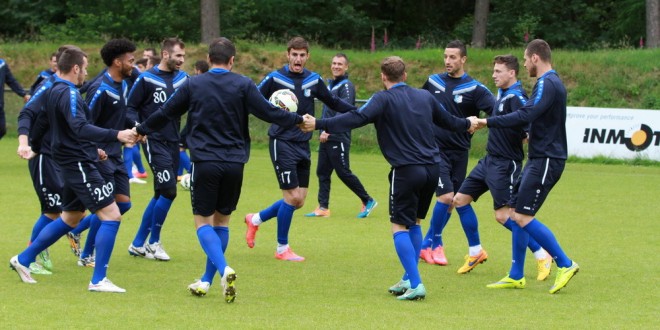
[
  {"x": 285, "y": 99},
  {"x": 185, "y": 181}
]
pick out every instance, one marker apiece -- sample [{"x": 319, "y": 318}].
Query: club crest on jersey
[
  {"x": 458, "y": 98},
  {"x": 307, "y": 92}
]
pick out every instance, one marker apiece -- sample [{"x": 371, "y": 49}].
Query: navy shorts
[
  {"x": 215, "y": 186},
  {"x": 291, "y": 161},
  {"x": 411, "y": 192},
  {"x": 538, "y": 177},
  {"x": 47, "y": 182},
  {"x": 445, "y": 182},
  {"x": 496, "y": 174},
  {"x": 458, "y": 162},
  {"x": 84, "y": 188},
  {"x": 113, "y": 170},
  {"x": 163, "y": 158}
]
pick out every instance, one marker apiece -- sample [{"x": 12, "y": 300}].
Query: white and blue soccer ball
[
  {"x": 185, "y": 181},
  {"x": 285, "y": 99}
]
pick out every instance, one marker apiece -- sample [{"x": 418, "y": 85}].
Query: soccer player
[
  {"x": 200, "y": 67},
  {"x": 462, "y": 96},
  {"x": 219, "y": 103},
  {"x": 149, "y": 53},
  {"x": 7, "y": 78},
  {"x": 151, "y": 90},
  {"x": 289, "y": 147},
  {"x": 500, "y": 168},
  {"x": 545, "y": 112},
  {"x": 77, "y": 156},
  {"x": 45, "y": 74},
  {"x": 335, "y": 148},
  {"x": 403, "y": 116}
]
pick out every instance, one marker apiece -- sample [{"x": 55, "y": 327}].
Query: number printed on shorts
[
  {"x": 286, "y": 176},
  {"x": 160, "y": 97},
  {"x": 104, "y": 191},
  {"x": 163, "y": 176},
  {"x": 54, "y": 199}
]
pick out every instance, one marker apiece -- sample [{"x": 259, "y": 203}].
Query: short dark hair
[
  {"x": 154, "y": 60},
  {"x": 115, "y": 48},
  {"x": 69, "y": 58},
  {"x": 509, "y": 61},
  {"x": 169, "y": 43},
  {"x": 61, "y": 49},
  {"x": 458, "y": 44},
  {"x": 393, "y": 68},
  {"x": 202, "y": 66},
  {"x": 343, "y": 56},
  {"x": 142, "y": 61},
  {"x": 221, "y": 50},
  {"x": 151, "y": 49},
  {"x": 541, "y": 48},
  {"x": 297, "y": 43}
]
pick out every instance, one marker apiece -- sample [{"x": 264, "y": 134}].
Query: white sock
[
  {"x": 540, "y": 254},
  {"x": 474, "y": 250},
  {"x": 256, "y": 219},
  {"x": 282, "y": 247}
]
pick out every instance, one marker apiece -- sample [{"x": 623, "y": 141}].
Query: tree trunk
[
  {"x": 210, "y": 13},
  {"x": 652, "y": 23},
  {"x": 481, "y": 9}
]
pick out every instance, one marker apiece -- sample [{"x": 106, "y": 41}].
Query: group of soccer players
[{"x": 78, "y": 163}]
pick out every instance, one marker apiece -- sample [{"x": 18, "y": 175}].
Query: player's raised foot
[
  {"x": 23, "y": 272},
  {"x": 399, "y": 288},
  {"x": 367, "y": 208},
  {"x": 251, "y": 230},
  {"x": 105, "y": 285},
  {"x": 38, "y": 269},
  {"x": 508, "y": 283},
  {"x": 471, "y": 262},
  {"x": 564, "y": 274},
  {"x": 88, "y": 261},
  {"x": 417, "y": 293},
  {"x": 543, "y": 267},
  {"x": 427, "y": 256},
  {"x": 156, "y": 250},
  {"x": 44, "y": 260},
  {"x": 228, "y": 282},
  {"x": 74, "y": 243},
  {"x": 439, "y": 257},
  {"x": 289, "y": 255},
  {"x": 199, "y": 288},
  {"x": 319, "y": 212}
]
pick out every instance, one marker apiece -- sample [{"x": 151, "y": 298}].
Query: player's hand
[
  {"x": 127, "y": 136},
  {"x": 308, "y": 124},
  {"x": 324, "y": 137},
  {"x": 473, "y": 124},
  {"x": 102, "y": 155},
  {"x": 24, "y": 151},
  {"x": 26, "y": 98}
]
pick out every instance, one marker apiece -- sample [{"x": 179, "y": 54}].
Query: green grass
[{"x": 605, "y": 216}]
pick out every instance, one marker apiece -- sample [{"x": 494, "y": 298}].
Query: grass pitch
[{"x": 605, "y": 217}]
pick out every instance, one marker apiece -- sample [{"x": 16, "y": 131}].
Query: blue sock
[
  {"x": 105, "y": 242},
  {"x": 427, "y": 241},
  {"x": 271, "y": 211},
  {"x": 415, "y": 233},
  {"x": 284, "y": 217},
  {"x": 82, "y": 225},
  {"x": 470, "y": 224},
  {"x": 128, "y": 161},
  {"x": 145, "y": 225},
  {"x": 438, "y": 221},
  {"x": 533, "y": 245},
  {"x": 42, "y": 222},
  {"x": 137, "y": 159},
  {"x": 161, "y": 209},
  {"x": 223, "y": 234},
  {"x": 124, "y": 207},
  {"x": 547, "y": 240},
  {"x": 184, "y": 162},
  {"x": 406, "y": 252},
  {"x": 47, "y": 237},
  {"x": 212, "y": 246},
  {"x": 519, "y": 240},
  {"x": 90, "y": 242}
]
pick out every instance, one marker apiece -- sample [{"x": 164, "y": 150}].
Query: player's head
[
  {"x": 455, "y": 58},
  {"x": 173, "y": 54},
  {"x": 393, "y": 69},
  {"x": 201, "y": 66},
  {"x": 339, "y": 65},
  {"x": 148, "y": 52},
  {"x": 117, "y": 54},
  {"x": 222, "y": 52},
  {"x": 297, "y": 52},
  {"x": 53, "y": 61},
  {"x": 537, "y": 52},
  {"x": 73, "y": 61},
  {"x": 142, "y": 64},
  {"x": 505, "y": 70}
]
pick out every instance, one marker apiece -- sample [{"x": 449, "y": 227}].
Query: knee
[
  {"x": 169, "y": 193},
  {"x": 461, "y": 200},
  {"x": 501, "y": 217},
  {"x": 447, "y": 198}
]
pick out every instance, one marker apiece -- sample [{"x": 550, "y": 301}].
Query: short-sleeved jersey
[
  {"x": 545, "y": 111},
  {"x": 344, "y": 89},
  {"x": 403, "y": 116},
  {"x": 507, "y": 142},
  {"x": 306, "y": 85},
  {"x": 27, "y": 118},
  {"x": 149, "y": 92},
  {"x": 7, "y": 78},
  {"x": 462, "y": 97},
  {"x": 43, "y": 75}
]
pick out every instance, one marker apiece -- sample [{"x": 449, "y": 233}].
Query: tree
[
  {"x": 210, "y": 20},
  {"x": 652, "y": 23},
  {"x": 481, "y": 9}
]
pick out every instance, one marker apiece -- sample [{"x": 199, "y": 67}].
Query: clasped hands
[{"x": 476, "y": 123}]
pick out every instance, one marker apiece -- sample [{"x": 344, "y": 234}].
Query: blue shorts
[
  {"x": 538, "y": 177},
  {"x": 496, "y": 174},
  {"x": 411, "y": 192},
  {"x": 291, "y": 161},
  {"x": 163, "y": 158},
  {"x": 47, "y": 182},
  {"x": 215, "y": 186},
  {"x": 445, "y": 182},
  {"x": 113, "y": 170},
  {"x": 84, "y": 188},
  {"x": 458, "y": 162}
]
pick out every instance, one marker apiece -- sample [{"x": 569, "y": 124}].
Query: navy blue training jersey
[
  {"x": 306, "y": 85},
  {"x": 545, "y": 111},
  {"x": 344, "y": 89},
  {"x": 219, "y": 102},
  {"x": 462, "y": 97},
  {"x": 150, "y": 91},
  {"x": 106, "y": 100},
  {"x": 403, "y": 116},
  {"x": 7, "y": 78},
  {"x": 27, "y": 118},
  {"x": 507, "y": 142},
  {"x": 43, "y": 75}
]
